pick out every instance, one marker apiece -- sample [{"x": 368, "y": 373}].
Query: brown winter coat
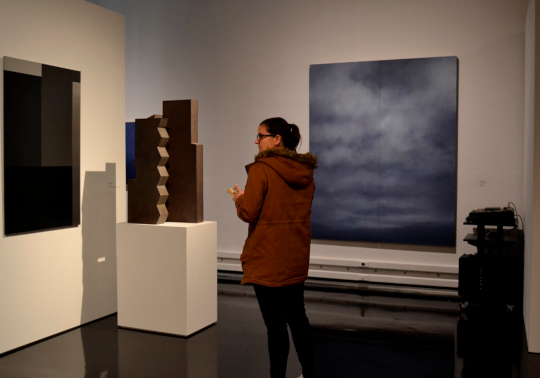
[{"x": 277, "y": 205}]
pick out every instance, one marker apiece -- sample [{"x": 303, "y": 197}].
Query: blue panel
[{"x": 130, "y": 151}]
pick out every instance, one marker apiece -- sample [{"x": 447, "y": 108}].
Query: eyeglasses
[{"x": 262, "y": 136}]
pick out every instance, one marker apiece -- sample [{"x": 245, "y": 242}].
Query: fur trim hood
[
  {"x": 307, "y": 158},
  {"x": 296, "y": 169}
]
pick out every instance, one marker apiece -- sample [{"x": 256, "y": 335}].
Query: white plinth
[{"x": 167, "y": 276}]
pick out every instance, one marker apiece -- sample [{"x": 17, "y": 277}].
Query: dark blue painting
[
  {"x": 385, "y": 133},
  {"x": 130, "y": 151}
]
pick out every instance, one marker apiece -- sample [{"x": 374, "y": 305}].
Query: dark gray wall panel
[
  {"x": 37, "y": 198},
  {"x": 76, "y": 150},
  {"x": 56, "y": 115},
  {"x": 22, "y": 120}
]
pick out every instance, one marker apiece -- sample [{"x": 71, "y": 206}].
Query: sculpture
[
  {"x": 185, "y": 203},
  {"x": 147, "y": 194},
  {"x": 168, "y": 179}
]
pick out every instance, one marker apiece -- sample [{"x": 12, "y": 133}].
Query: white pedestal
[{"x": 167, "y": 276}]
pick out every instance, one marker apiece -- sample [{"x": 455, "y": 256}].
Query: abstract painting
[
  {"x": 41, "y": 147},
  {"x": 385, "y": 133}
]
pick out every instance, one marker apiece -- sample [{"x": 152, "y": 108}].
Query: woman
[{"x": 277, "y": 205}]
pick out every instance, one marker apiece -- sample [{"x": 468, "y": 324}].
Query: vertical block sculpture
[
  {"x": 147, "y": 194},
  {"x": 41, "y": 147},
  {"x": 185, "y": 203}
]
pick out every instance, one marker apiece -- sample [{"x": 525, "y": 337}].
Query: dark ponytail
[{"x": 290, "y": 133}]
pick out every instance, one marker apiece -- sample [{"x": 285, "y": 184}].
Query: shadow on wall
[{"x": 99, "y": 244}]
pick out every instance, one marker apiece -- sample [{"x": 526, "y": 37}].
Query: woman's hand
[{"x": 240, "y": 192}]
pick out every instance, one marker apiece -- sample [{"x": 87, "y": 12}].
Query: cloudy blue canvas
[{"x": 385, "y": 133}]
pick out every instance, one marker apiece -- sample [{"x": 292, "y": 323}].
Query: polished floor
[{"x": 356, "y": 335}]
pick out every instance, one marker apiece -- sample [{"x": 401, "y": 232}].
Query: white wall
[
  {"x": 531, "y": 294},
  {"x": 248, "y": 60},
  {"x": 41, "y": 274}
]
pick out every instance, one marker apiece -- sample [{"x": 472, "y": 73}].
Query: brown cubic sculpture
[
  {"x": 185, "y": 202},
  {"x": 147, "y": 194}
]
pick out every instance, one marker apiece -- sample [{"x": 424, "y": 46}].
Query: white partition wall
[
  {"x": 55, "y": 280},
  {"x": 531, "y": 292}
]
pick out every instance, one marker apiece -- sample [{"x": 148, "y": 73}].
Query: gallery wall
[
  {"x": 249, "y": 60},
  {"x": 52, "y": 281}
]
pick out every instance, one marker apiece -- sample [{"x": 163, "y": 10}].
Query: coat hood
[{"x": 296, "y": 169}]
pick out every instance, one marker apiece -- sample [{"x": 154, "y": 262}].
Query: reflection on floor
[{"x": 356, "y": 335}]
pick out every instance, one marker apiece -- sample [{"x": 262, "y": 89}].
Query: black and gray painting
[{"x": 385, "y": 133}]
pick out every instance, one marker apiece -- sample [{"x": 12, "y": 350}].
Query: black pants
[{"x": 281, "y": 306}]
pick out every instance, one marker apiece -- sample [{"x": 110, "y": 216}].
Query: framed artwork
[
  {"x": 41, "y": 147},
  {"x": 385, "y": 133}
]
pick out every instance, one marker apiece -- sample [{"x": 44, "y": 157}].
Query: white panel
[
  {"x": 336, "y": 262},
  {"x": 451, "y": 269},
  {"x": 99, "y": 244},
  {"x": 337, "y": 275},
  {"x": 167, "y": 276},
  {"x": 528, "y": 174},
  {"x": 201, "y": 275},
  {"x": 531, "y": 303},
  {"x": 228, "y": 255},
  {"x": 22, "y": 66},
  {"x": 416, "y": 281},
  {"x": 229, "y": 267},
  {"x": 152, "y": 278},
  {"x": 380, "y": 278},
  {"x": 356, "y": 276}
]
